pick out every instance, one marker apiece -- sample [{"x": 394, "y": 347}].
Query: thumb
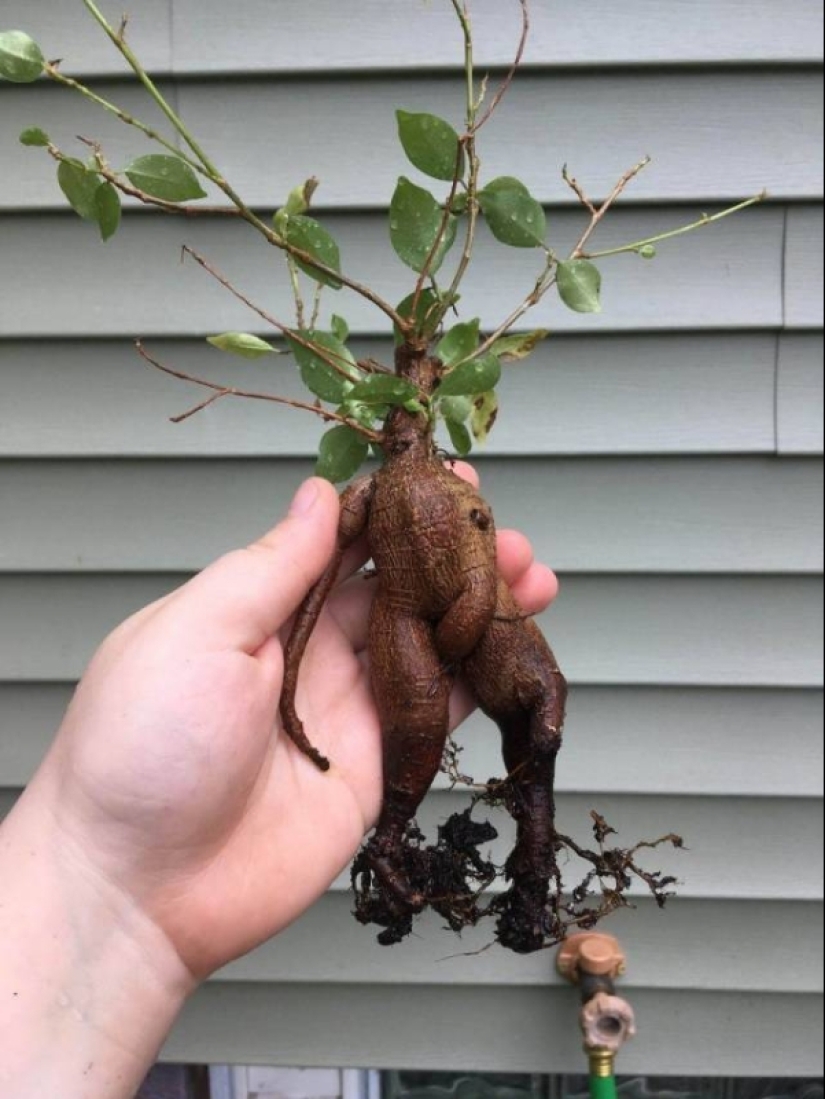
[{"x": 245, "y": 597}]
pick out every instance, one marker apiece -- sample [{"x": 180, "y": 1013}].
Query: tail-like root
[{"x": 355, "y": 507}]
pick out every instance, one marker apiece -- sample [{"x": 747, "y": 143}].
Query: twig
[
  {"x": 212, "y": 173},
  {"x": 327, "y": 356},
  {"x": 221, "y": 391},
  {"x": 508, "y": 80},
  {"x": 599, "y": 213},
  {"x": 705, "y": 220}
]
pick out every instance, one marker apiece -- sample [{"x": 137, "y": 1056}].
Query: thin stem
[
  {"x": 463, "y": 13},
  {"x": 543, "y": 284},
  {"x": 507, "y": 82},
  {"x": 339, "y": 365},
  {"x": 597, "y": 214},
  {"x": 118, "y": 38},
  {"x": 103, "y": 169},
  {"x": 296, "y": 292},
  {"x": 705, "y": 220},
  {"x": 316, "y": 304},
  {"x": 221, "y": 391},
  {"x": 54, "y": 73}
]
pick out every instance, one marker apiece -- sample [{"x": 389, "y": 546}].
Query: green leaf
[
  {"x": 340, "y": 328},
  {"x": 459, "y": 343},
  {"x": 319, "y": 374},
  {"x": 460, "y": 438},
  {"x": 342, "y": 453},
  {"x": 310, "y": 236},
  {"x": 80, "y": 187},
  {"x": 34, "y": 137},
  {"x": 426, "y": 314},
  {"x": 432, "y": 145},
  {"x": 109, "y": 210},
  {"x": 300, "y": 198},
  {"x": 456, "y": 409},
  {"x": 21, "y": 59},
  {"x": 580, "y": 285},
  {"x": 514, "y": 216},
  {"x": 165, "y": 177},
  {"x": 485, "y": 413},
  {"x": 415, "y": 223},
  {"x": 383, "y": 389},
  {"x": 471, "y": 378},
  {"x": 364, "y": 414},
  {"x": 518, "y": 346},
  {"x": 242, "y": 344}
]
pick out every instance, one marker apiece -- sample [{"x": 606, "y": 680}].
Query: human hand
[{"x": 171, "y": 777}]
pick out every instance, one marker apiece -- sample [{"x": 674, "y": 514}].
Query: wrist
[{"x": 89, "y": 986}]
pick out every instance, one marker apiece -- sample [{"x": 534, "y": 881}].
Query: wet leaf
[
  {"x": 580, "y": 283},
  {"x": 383, "y": 389},
  {"x": 514, "y": 216},
  {"x": 165, "y": 177},
  {"x": 329, "y": 382},
  {"x": 485, "y": 413},
  {"x": 471, "y": 378},
  {"x": 415, "y": 223},
  {"x": 34, "y": 137},
  {"x": 460, "y": 438},
  {"x": 310, "y": 236},
  {"x": 431, "y": 144},
  {"x": 457, "y": 409},
  {"x": 459, "y": 343},
  {"x": 341, "y": 454},
  {"x": 109, "y": 210},
  {"x": 519, "y": 346},
  {"x": 80, "y": 186},
  {"x": 242, "y": 344},
  {"x": 21, "y": 59}
]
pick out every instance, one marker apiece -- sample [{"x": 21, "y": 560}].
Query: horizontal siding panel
[
  {"x": 325, "y": 37},
  {"x": 800, "y": 395},
  {"x": 65, "y": 30},
  {"x": 666, "y": 394},
  {"x": 610, "y": 630},
  {"x": 736, "y": 848},
  {"x": 671, "y": 515},
  {"x": 328, "y": 945},
  {"x": 671, "y": 741},
  {"x": 508, "y": 1030},
  {"x": 713, "y": 137},
  {"x": 377, "y": 35},
  {"x": 729, "y": 276},
  {"x": 804, "y": 268}
]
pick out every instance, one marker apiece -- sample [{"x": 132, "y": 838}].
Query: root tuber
[{"x": 441, "y": 610}]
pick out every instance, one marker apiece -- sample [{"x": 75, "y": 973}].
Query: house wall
[{"x": 665, "y": 457}]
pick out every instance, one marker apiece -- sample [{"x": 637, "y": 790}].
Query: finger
[
  {"x": 536, "y": 589},
  {"x": 243, "y": 598}
]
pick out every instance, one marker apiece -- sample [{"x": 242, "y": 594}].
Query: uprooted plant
[{"x": 441, "y": 611}]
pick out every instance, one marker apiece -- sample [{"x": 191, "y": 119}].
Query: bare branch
[
  {"x": 339, "y": 365},
  {"x": 221, "y": 391},
  {"x": 599, "y": 213},
  {"x": 508, "y": 80}
]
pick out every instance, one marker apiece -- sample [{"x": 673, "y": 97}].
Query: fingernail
[{"x": 304, "y": 499}]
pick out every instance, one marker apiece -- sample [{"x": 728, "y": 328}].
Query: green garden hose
[{"x": 602, "y": 1078}]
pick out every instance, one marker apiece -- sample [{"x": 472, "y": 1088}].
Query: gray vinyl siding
[{"x": 673, "y": 444}]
